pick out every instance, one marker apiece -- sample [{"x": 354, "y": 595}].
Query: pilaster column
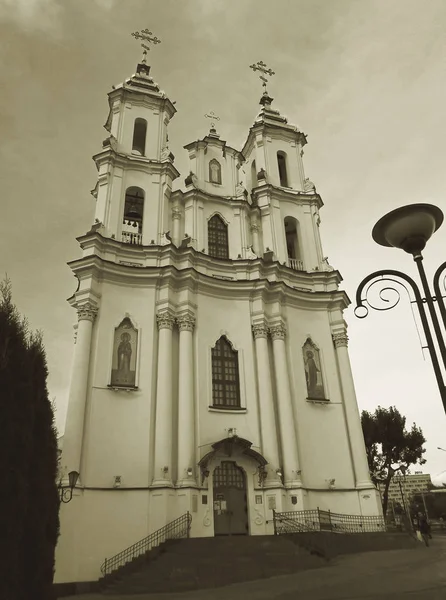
[
  {"x": 176, "y": 218},
  {"x": 74, "y": 428},
  {"x": 163, "y": 412},
  {"x": 267, "y": 229},
  {"x": 186, "y": 416},
  {"x": 255, "y": 238},
  {"x": 351, "y": 410},
  {"x": 291, "y": 469},
  {"x": 270, "y": 448}
]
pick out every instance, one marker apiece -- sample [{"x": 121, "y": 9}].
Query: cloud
[
  {"x": 42, "y": 15},
  {"x": 31, "y": 14}
]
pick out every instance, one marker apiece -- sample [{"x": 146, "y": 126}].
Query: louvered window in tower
[
  {"x": 217, "y": 237},
  {"x": 225, "y": 375}
]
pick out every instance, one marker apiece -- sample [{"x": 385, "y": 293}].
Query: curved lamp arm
[
  {"x": 438, "y": 292},
  {"x": 393, "y": 277},
  {"x": 387, "y": 275}
]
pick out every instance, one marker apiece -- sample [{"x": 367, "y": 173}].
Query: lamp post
[
  {"x": 409, "y": 228},
  {"x": 66, "y": 492}
]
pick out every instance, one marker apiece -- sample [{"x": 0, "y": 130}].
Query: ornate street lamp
[
  {"x": 409, "y": 228},
  {"x": 66, "y": 492}
]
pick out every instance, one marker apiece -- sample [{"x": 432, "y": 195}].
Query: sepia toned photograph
[{"x": 223, "y": 299}]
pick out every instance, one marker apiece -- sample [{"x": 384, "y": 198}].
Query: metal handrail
[
  {"x": 176, "y": 529},
  {"x": 322, "y": 520}
]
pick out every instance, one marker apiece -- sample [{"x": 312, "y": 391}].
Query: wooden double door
[{"x": 230, "y": 500}]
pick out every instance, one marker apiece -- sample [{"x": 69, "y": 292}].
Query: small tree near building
[
  {"x": 390, "y": 447},
  {"x": 29, "y": 503}
]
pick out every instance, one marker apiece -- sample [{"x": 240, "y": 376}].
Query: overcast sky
[{"x": 365, "y": 79}]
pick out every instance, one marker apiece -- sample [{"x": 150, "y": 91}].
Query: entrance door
[{"x": 230, "y": 500}]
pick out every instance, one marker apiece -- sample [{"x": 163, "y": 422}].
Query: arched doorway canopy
[{"x": 228, "y": 447}]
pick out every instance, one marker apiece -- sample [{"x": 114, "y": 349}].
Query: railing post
[
  {"x": 274, "y": 521},
  {"x": 105, "y": 567},
  {"x": 329, "y": 520}
]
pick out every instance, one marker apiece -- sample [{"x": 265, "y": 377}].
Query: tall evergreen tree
[{"x": 28, "y": 461}]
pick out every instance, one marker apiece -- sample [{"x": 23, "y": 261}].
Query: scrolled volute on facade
[
  {"x": 186, "y": 322},
  {"x": 87, "y": 312},
  {"x": 340, "y": 339},
  {"x": 278, "y": 331},
  {"x": 165, "y": 320}
]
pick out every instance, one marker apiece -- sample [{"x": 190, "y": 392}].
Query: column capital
[
  {"x": 259, "y": 330},
  {"x": 176, "y": 213},
  {"x": 186, "y": 322},
  {"x": 164, "y": 320},
  {"x": 255, "y": 227},
  {"x": 278, "y": 331},
  {"x": 87, "y": 312},
  {"x": 340, "y": 339}
]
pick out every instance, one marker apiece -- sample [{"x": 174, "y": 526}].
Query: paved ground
[{"x": 418, "y": 574}]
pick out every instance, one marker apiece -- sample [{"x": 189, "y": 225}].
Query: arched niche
[
  {"x": 214, "y": 171},
  {"x": 313, "y": 371},
  {"x": 125, "y": 350},
  {"x": 139, "y": 137},
  {"x": 282, "y": 166}
]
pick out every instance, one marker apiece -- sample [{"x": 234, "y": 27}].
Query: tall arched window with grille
[
  {"x": 225, "y": 375},
  {"x": 217, "y": 237}
]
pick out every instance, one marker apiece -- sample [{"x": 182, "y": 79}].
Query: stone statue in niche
[
  {"x": 313, "y": 371},
  {"x": 124, "y": 355}
]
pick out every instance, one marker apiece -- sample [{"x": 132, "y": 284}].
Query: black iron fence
[
  {"x": 322, "y": 520},
  {"x": 180, "y": 528}
]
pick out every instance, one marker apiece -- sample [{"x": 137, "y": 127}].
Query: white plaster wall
[
  {"x": 229, "y": 172},
  {"x": 156, "y": 128},
  {"x": 322, "y": 433},
  {"x": 118, "y": 424}
]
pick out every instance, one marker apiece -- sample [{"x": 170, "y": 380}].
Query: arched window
[
  {"x": 281, "y": 163},
  {"x": 133, "y": 216},
  {"x": 139, "y": 137},
  {"x": 225, "y": 375},
  {"x": 254, "y": 181},
  {"x": 217, "y": 237},
  {"x": 293, "y": 244},
  {"x": 214, "y": 171}
]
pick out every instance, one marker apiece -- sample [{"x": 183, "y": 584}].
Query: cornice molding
[
  {"x": 170, "y": 277},
  {"x": 138, "y": 163}
]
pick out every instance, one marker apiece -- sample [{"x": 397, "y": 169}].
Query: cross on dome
[
  {"x": 264, "y": 72},
  {"x": 213, "y": 118},
  {"x": 147, "y": 36}
]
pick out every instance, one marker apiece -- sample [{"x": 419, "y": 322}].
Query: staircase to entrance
[{"x": 198, "y": 563}]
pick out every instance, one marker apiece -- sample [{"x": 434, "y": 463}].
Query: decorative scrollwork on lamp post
[
  {"x": 66, "y": 491},
  {"x": 409, "y": 228}
]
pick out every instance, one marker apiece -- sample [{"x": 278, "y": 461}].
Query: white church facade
[{"x": 211, "y": 371}]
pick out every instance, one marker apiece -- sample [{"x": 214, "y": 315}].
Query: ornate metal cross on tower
[
  {"x": 147, "y": 36},
  {"x": 264, "y": 72},
  {"x": 213, "y": 118}
]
